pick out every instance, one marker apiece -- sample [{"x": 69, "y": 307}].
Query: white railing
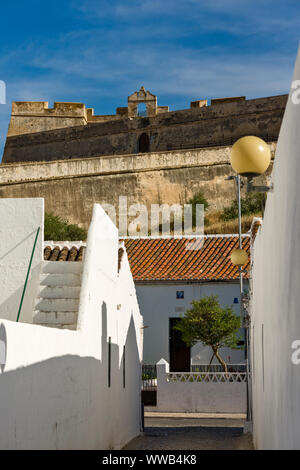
[
  {"x": 206, "y": 377},
  {"x": 200, "y": 392}
]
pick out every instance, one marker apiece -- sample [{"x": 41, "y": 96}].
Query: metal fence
[
  {"x": 178, "y": 145},
  {"x": 149, "y": 374},
  {"x": 218, "y": 368},
  {"x": 149, "y": 377}
]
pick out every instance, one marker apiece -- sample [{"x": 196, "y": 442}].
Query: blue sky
[{"x": 99, "y": 51}]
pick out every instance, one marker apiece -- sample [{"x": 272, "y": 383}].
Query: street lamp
[
  {"x": 239, "y": 257},
  {"x": 250, "y": 157}
]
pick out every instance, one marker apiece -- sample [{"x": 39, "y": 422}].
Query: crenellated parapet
[{"x": 35, "y": 116}]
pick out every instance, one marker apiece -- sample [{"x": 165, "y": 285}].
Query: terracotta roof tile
[
  {"x": 169, "y": 259},
  {"x": 56, "y": 253}
]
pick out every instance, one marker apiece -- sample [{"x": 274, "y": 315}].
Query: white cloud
[
  {"x": 240, "y": 17},
  {"x": 123, "y": 45}
]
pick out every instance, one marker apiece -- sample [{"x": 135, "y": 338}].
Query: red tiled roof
[
  {"x": 74, "y": 253},
  {"x": 168, "y": 259},
  {"x": 56, "y": 253}
]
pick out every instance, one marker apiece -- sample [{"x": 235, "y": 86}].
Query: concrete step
[
  {"x": 62, "y": 267},
  {"x": 55, "y": 318},
  {"x": 60, "y": 280},
  {"x": 57, "y": 305},
  {"x": 59, "y": 292},
  {"x": 59, "y": 325},
  {"x": 58, "y": 298}
]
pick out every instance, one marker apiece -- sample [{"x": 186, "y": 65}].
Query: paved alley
[{"x": 170, "y": 433}]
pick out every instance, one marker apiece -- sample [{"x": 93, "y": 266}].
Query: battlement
[
  {"x": 37, "y": 132},
  {"x": 29, "y": 117},
  {"x": 42, "y": 108},
  {"x": 35, "y": 116},
  {"x": 197, "y": 127},
  {"x": 231, "y": 99}
]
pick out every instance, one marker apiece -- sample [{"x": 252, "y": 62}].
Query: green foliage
[
  {"x": 213, "y": 325},
  {"x": 250, "y": 204},
  {"x": 197, "y": 199},
  {"x": 146, "y": 377},
  {"x": 210, "y": 323},
  {"x": 58, "y": 229}
]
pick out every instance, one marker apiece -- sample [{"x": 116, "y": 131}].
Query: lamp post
[
  {"x": 250, "y": 157},
  {"x": 239, "y": 257}
]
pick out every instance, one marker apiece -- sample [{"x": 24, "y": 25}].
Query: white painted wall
[
  {"x": 198, "y": 397},
  {"x": 54, "y": 390},
  {"x": 158, "y": 303},
  {"x": 19, "y": 221},
  {"x": 276, "y": 295}
]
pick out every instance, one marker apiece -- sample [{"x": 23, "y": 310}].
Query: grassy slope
[{"x": 213, "y": 224}]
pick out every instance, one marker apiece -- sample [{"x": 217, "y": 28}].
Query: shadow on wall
[
  {"x": 73, "y": 402},
  {"x": 6, "y": 310},
  {"x": 20, "y": 243}
]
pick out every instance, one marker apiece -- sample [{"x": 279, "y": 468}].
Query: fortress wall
[
  {"x": 36, "y": 116},
  {"x": 194, "y": 127},
  {"x": 71, "y": 187}
]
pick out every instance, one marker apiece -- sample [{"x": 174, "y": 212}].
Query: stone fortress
[{"x": 74, "y": 158}]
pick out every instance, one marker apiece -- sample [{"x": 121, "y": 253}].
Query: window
[{"x": 180, "y": 294}]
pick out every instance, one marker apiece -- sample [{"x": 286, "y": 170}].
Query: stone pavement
[{"x": 192, "y": 433}]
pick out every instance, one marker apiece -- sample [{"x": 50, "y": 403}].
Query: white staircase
[{"x": 59, "y": 291}]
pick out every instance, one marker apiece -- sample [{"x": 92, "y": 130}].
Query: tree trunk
[
  {"x": 221, "y": 361},
  {"x": 208, "y": 369}
]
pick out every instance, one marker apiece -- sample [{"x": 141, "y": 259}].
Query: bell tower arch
[{"x": 142, "y": 96}]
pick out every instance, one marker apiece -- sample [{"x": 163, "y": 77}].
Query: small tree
[
  {"x": 58, "y": 229},
  {"x": 197, "y": 199},
  {"x": 213, "y": 325},
  {"x": 252, "y": 203}
]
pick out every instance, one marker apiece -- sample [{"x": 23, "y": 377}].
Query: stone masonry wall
[
  {"x": 217, "y": 124},
  {"x": 71, "y": 187}
]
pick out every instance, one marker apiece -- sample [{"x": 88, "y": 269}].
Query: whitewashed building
[
  {"x": 168, "y": 275},
  {"x": 275, "y": 302},
  {"x": 70, "y": 337}
]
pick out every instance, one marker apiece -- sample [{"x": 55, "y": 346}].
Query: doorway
[
  {"x": 144, "y": 143},
  {"x": 180, "y": 353}
]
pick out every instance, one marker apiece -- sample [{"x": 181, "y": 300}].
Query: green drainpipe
[{"x": 27, "y": 275}]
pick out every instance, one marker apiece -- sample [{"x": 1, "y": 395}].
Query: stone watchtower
[
  {"x": 139, "y": 97},
  {"x": 142, "y": 96}
]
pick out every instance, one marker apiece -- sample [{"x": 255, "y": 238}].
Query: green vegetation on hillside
[
  {"x": 58, "y": 229},
  {"x": 226, "y": 220},
  {"x": 251, "y": 203},
  {"x": 197, "y": 199}
]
